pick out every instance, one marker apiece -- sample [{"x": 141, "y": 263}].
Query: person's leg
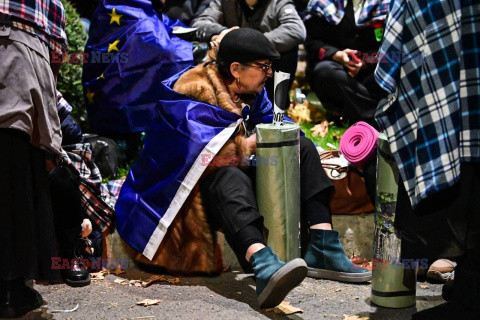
[
  {"x": 341, "y": 93},
  {"x": 288, "y": 64},
  {"x": 25, "y": 239},
  {"x": 228, "y": 197},
  {"x": 448, "y": 223},
  {"x": 324, "y": 255},
  {"x": 68, "y": 217}
]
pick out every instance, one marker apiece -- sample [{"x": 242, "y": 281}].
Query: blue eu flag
[{"x": 130, "y": 50}]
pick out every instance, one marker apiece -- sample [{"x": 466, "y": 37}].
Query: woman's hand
[
  {"x": 252, "y": 143},
  {"x": 349, "y": 60}
]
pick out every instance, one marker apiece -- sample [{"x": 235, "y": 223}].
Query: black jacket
[{"x": 324, "y": 38}]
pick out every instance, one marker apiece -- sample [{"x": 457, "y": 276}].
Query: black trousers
[
  {"x": 444, "y": 225},
  {"x": 353, "y": 98},
  {"x": 229, "y": 199},
  {"x": 447, "y": 225}
]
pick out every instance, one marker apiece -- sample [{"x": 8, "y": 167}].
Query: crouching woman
[{"x": 174, "y": 199}]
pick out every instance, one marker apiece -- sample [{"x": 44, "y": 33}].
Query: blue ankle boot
[
  {"x": 274, "y": 278},
  {"x": 326, "y": 259}
]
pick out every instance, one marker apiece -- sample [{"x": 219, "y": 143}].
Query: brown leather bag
[{"x": 350, "y": 195}]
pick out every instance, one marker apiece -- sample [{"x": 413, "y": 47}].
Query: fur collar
[{"x": 205, "y": 84}]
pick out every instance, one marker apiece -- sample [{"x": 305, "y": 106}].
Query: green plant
[{"x": 70, "y": 77}]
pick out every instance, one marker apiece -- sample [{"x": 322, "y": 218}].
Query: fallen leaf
[
  {"x": 424, "y": 286},
  {"x": 173, "y": 280},
  {"x": 135, "y": 282},
  {"x": 347, "y": 317},
  {"x": 226, "y": 269},
  {"x": 320, "y": 130},
  {"x": 148, "y": 302},
  {"x": 98, "y": 275},
  {"x": 121, "y": 281},
  {"x": 330, "y": 315},
  {"x": 153, "y": 279},
  {"x": 299, "y": 113},
  {"x": 119, "y": 271},
  {"x": 285, "y": 308},
  {"x": 357, "y": 260}
]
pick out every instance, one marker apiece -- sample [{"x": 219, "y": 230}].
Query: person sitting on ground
[
  {"x": 184, "y": 10},
  {"x": 174, "y": 191},
  {"x": 343, "y": 38},
  {"x": 277, "y": 20}
]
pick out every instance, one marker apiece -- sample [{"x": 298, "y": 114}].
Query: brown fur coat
[{"x": 190, "y": 246}]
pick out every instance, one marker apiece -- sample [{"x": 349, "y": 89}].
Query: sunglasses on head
[{"x": 264, "y": 66}]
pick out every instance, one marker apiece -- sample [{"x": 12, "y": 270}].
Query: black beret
[{"x": 245, "y": 45}]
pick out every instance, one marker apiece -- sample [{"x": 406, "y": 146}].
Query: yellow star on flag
[
  {"x": 113, "y": 46},
  {"x": 115, "y": 17},
  {"x": 102, "y": 76},
  {"x": 90, "y": 96}
]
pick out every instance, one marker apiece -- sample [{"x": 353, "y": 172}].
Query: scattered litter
[
  {"x": 338, "y": 290},
  {"x": 238, "y": 292},
  {"x": 144, "y": 317},
  {"x": 285, "y": 308},
  {"x": 113, "y": 304},
  {"x": 331, "y": 146},
  {"x": 148, "y": 302},
  {"x": 66, "y": 311},
  {"x": 424, "y": 286}
]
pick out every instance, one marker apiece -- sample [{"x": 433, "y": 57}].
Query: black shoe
[
  {"x": 448, "y": 292},
  {"x": 77, "y": 275},
  {"x": 17, "y": 299}
]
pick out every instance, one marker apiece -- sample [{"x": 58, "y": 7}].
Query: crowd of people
[{"x": 363, "y": 64}]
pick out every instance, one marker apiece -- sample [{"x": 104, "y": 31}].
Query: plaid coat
[
  {"x": 44, "y": 18},
  {"x": 431, "y": 68},
  {"x": 334, "y": 10}
]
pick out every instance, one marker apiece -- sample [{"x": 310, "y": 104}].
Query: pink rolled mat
[{"x": 358, "y": 143}]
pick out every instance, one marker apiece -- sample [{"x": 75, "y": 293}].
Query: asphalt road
[{"x": 229, "y": 296}]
